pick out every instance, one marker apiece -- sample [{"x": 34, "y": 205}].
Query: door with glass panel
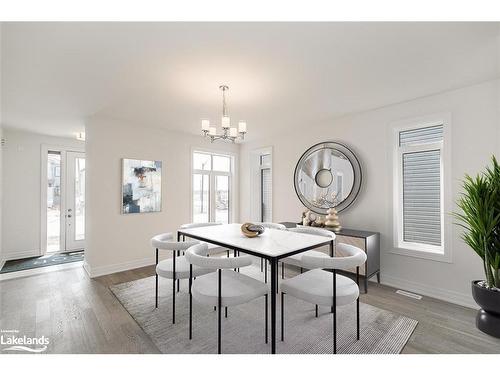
[
  {"x": 75, "y": 200},
  {"x": 65, "y": 210}
]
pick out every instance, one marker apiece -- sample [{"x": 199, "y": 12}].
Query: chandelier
[{"x": 228, "y": 133}]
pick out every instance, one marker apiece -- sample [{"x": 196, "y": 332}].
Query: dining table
[{"x": 272, "y": 245}]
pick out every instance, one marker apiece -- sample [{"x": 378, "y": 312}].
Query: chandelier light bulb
[
  {"x": 226, "y": 122},
  {"x": 242, "y": 127}
]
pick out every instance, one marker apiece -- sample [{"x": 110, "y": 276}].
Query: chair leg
[
  {"x": 261, "y": 265},
  {"x": 265, "y": 271},
  {"x": 357, "y": 301},
  {"x": 156, "y": 293},
  {"x": 227, "y": 253},
  {"x": 282, "y": 270},
  {"x": 219, "y": 320},
  {"x": 178, "y": 285},
  {"x": 156, "y": 276},
  {"x": 277, "y": 279},
  {"x": 190, "y": 302},
  {"x": 282, "y": 316},
  {"x": 316, "y": 311},
  {"x": 225, "y": 312},
  {"x": 357, "y": 319},
  {"x": 334, "y": 311},
  {"x": 266, "y": 318},
  {"x": 173, "y": 289}
]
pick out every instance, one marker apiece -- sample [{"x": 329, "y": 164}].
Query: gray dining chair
[
  {"x": 325, "y": 288},
  {"x": 222, "y": 288}
]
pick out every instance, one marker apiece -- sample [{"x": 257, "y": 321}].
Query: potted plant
[{"x": 480, "y": 217}]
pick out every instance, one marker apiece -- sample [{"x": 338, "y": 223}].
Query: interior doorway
[{"x": 63, "y": 200}]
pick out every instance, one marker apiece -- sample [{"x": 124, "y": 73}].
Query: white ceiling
[{"x": 282, "y": 75}]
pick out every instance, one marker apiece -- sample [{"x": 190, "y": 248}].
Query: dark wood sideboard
[{"x": 365, "y": 240}]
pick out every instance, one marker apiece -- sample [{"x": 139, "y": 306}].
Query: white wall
[
  {"x": 21, "y": 190},
  {"x": 117, "y": 242},
  {"x": 474, "y": 139}
]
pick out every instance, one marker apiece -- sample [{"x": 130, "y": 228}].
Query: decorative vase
[
  {"x": 332, "y": 220},
  {"x": 488, "y": 317}
]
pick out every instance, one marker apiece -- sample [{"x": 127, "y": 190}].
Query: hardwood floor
[{"x": 81, "y": 315}]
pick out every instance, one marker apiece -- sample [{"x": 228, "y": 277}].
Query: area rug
[
  {"x": 43, "y": 261},
  {"x": 382, "y": 332}
]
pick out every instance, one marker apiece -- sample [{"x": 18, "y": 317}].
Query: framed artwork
[{"x": 141, "y": 186}]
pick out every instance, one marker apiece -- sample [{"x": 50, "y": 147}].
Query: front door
[{"x": 75, "y": 201}]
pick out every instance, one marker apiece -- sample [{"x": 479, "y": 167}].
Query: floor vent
[{"x": 408, "y": 294}]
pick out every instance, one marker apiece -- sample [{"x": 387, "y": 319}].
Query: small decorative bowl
[{"x": 251, "y": 230}]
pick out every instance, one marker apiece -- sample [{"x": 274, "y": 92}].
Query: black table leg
[
  {"x": 274, "y": 274},
  {"x": 332, "y": 254}
]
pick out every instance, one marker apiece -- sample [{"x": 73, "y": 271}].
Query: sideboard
[{"x": 365, "y": 240}]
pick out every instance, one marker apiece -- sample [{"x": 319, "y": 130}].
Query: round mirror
[{"x": 327, "y": 175}]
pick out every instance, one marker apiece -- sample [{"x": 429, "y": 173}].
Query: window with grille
[
  {"x": 211, "y": 183},
  {"x": 420, "y": 188}
]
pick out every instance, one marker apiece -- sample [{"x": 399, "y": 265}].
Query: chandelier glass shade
[{"x": 228, "y": 133}]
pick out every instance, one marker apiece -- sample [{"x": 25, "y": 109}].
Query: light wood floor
[{"x": 81, "y": 315}]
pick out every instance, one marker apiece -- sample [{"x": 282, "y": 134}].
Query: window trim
[
  {"x": 211, "y": 177},
  {"x": 424, "y": 251}
]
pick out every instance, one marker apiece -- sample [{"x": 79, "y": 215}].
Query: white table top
[{"x": 271, "y": 243}]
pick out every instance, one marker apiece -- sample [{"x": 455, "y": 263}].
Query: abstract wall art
[{"x": 141, "y": 186}]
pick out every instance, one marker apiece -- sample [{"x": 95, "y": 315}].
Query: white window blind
[
  {"x": 266, "y": 194},
  {"x": 421, "y": 185}
]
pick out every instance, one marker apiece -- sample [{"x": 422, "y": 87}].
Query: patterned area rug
[
  {"x": 382, "y": 332},
  {"x": 43, "y": 261}
]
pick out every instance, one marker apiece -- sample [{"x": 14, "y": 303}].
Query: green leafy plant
[{"x": 480, "y": 217}]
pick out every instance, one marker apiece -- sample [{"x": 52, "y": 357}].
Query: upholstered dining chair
[
  {"x": 174, "y": 268},
  {"x": 326, "y": 288},
  {"x": 296, "y": 260},
  {"x": 222, "y": 288}
]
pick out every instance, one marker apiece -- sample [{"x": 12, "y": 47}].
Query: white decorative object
[
  {"x": 228, "y": 133},
  {"x": 332, "y": 220}
]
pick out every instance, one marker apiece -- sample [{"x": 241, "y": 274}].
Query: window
[
  {"x": 419, "y": 190},
  {"x": 265, "y": 188},
  {"x": 211, "y": 181}
]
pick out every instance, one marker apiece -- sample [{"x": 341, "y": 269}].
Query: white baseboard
[
  {"x": 20, "y": 254},
  {"x": 119, "y": 267},
  {"x": 430, "y": 291}
]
